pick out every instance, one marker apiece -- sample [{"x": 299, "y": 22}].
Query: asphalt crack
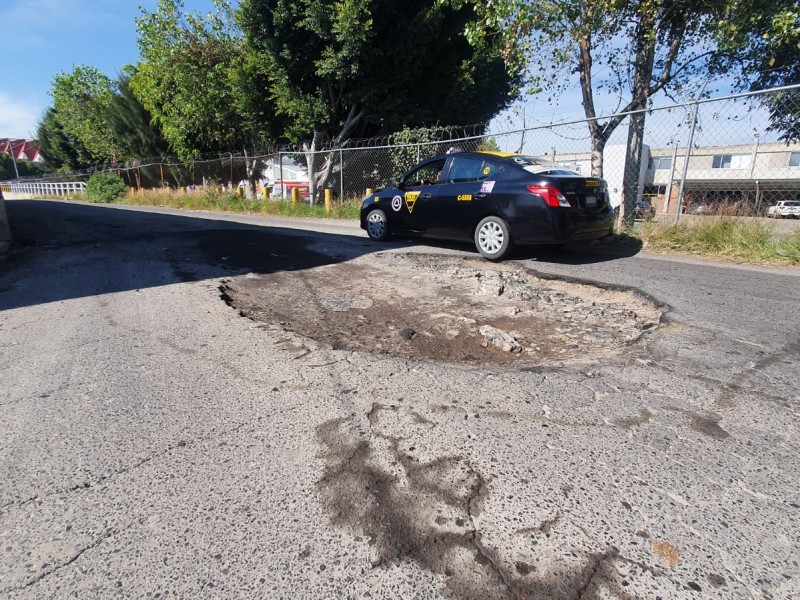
[{"x": 49, "y": 572}]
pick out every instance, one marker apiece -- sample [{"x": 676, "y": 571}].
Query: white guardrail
[{"x": 42, "y": 188}]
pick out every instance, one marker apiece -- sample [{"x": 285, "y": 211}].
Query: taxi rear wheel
[
  {"x": 493, "y": 238},
  {"x": 377, "y": 227}
]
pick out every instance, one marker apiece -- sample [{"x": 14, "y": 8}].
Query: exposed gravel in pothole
[{"x": 447, "y": 309}]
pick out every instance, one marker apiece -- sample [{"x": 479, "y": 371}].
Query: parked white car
[{"x": 785, "y": 208}]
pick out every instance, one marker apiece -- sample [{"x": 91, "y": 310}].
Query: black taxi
[{"x": 495, "y": 199}]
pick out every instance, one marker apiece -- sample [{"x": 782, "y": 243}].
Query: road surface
[{"x": 171, "y": 427}]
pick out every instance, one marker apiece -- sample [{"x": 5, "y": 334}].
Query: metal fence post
[
  {"x": 280, "y": 168},
  {"x": 341, "y": 176},
  {"x": 679, "y": 207}
]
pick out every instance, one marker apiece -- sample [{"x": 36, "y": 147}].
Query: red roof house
[{"x": 25, "y": 150}]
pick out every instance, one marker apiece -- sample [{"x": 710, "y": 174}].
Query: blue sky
[{"x": 41, "y": 38}]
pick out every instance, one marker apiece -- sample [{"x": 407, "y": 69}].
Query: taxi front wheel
[
  {"x": 493, "y": 238},
  {"x": 377, "y": 227}
]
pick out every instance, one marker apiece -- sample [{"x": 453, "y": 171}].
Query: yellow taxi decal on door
[{"x": 411, "y": 199}]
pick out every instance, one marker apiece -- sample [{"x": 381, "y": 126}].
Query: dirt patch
[{"x": 448, "y": 309}]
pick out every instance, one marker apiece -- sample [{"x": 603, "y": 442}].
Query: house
[{"x": 22, "y": 150}]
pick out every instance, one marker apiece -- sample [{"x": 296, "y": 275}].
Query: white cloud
[{"x": 18, "y": 119}]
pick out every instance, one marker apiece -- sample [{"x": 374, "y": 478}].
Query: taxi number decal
[
  {"x": 592, "y": 183},
  {"x": 411, "y": 199},
  {"x": 465, "y": 198},
  {"x": 376, "y": 199}
]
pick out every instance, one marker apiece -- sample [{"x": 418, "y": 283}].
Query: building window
[
  {"x": 660, "y": 163},
  {"x": 794, "y": 159},
  {"x": 654, "y": 190},
  {"x": 730, "y": 161}
]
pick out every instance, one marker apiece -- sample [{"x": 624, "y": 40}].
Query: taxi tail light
[{"x": 550, "y": 195}]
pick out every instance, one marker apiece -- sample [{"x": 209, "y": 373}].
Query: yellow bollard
[
  {"x": 133, "y": 191},
  {"x": 328, "y": 200},
  {"x": 183, "y": 190},
  {"x": 295, "y": 195},
  {"x": 369, "y": 191},
  {"x": 265, "y": 193},
  {"x": 141, "y": 191}
]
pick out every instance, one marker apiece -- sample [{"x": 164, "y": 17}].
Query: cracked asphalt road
[{"x": 155, "y": 443}]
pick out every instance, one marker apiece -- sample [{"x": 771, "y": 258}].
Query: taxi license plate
[{"x": 591, "y": 201}]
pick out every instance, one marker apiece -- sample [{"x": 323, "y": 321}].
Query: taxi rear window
[{"x": 540, "y": 166}]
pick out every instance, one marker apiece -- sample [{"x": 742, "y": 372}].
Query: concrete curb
[{"x": 5, "y": 229}]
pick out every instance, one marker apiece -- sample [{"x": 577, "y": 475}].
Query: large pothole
[{"x": 448, "y": 309}]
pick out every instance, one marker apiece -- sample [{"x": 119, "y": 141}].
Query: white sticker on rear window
[
  {"x": 487, "y": 187},
  {"x": 539, "y": 169}
]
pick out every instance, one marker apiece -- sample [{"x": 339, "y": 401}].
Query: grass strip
[
  {"x": 211, "y": 200},
  {"x": 726, "y": 238}
]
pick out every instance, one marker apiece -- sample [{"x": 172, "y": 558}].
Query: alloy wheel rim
[
  {"x": 491, "y": 237},
  {"x": 376, "y": 225}
]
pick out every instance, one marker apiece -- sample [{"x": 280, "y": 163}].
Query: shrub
[{"x": 105, "y": 187}]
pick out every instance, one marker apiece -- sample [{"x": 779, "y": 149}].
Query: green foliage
[
  {"x": 231, "y": 202},
  {"x": 761, "y": 42},
  {"x": 130, "y": 123},
  {"x": 8, "y": 170},
  {"x": 80, "y": 103},
  {"x": 488, "y": 144},
  {"x": 187, "y": 78},
  {"x": 58, "y": 150},
  {"x": 340, "y": 69},
  {"x": 6, "y": 167},
  {"x": 105, "y": 187},
  {"x": 409, "y": 148},
  {"x": 735, "y": 239}
]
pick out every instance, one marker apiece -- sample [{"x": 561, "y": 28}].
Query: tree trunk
[
  {"x": 642, "y": 75},
  {"x": 324, "y": 174},
  {"x": 310, "y": 152},
  {"x": 633, "y": 167}
]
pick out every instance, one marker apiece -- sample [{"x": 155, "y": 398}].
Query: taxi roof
[{"x": 497, "y": 153}]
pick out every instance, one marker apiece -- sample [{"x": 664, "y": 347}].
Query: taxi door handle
[
  {"x": 480, "y": 195},
  {"x": 426, "y": 196}
]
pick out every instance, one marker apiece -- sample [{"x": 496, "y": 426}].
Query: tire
[
  {"x": 377, "y": 226},
  {"x": 493, "y": 238}
]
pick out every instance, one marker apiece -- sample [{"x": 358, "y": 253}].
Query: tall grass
[
  {"x": 733, "y": 239},
  {"x": 230, "y": 202}
]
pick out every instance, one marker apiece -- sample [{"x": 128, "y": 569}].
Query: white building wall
[{"x": 614, "y": 171}]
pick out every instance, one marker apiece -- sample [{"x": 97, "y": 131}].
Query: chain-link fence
[{"x": 711, "y": 156}]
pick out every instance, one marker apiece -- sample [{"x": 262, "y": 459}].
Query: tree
[
  {"x": 130, "y": 123},
  {"x": 7, "y": 168},
  {"x": 645, "y": 47},
  {"x": 80, "y": 102},
  {"x": 187, "y": 78},
  {"x": 60, "y": 151},
  {"x": 338, "y": 69},
  {"x": 762, "y": 43}
]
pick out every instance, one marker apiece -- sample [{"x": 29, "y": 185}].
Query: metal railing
[{"x": 44, "y": 188}]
